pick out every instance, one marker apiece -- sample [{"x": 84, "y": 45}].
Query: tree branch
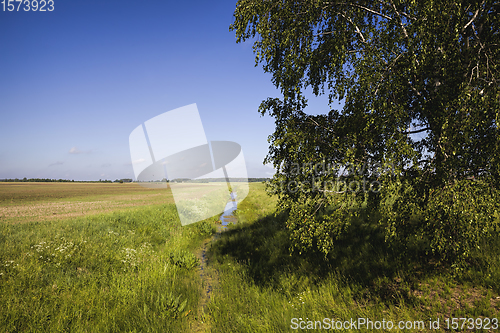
[
  {"x": 416, "y": 131},
  {"x": 400, "y": 20},
  {"x": 363, "y": 40},
  {"x": 368, "y": 10},
  {"x": 316, "y": 123},
  {"x": 402, "y": 13},
  {"x": 386, "y": 70},
  {"x": 471, "y": 20}
]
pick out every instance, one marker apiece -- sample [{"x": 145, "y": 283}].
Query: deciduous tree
[{"x": 420, "y": 82}]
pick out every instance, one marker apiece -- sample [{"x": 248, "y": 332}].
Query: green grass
[
  {"x": 136, "y": 271},
  {"x": 128, "y": 271},
  {"x": 262, "y": 287}
]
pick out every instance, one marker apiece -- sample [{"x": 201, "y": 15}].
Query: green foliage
[
  {"x": 458, "y": 217},
  {"x": 421, "y": 114},
  {"x": 171, "y": 303},
  {"x": 451, "y": 225},
  {"x": 183, "y": 259},
  {"x": 310, "y": 231},
  {"x": 205, "y": 228}
]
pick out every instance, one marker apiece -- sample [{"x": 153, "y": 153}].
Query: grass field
[
  {"x": 116, "y": 259},
  {"x": 127, "y": 265},
  {"x": 262, "y": 287}
]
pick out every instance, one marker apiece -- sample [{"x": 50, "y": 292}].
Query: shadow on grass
[{"x": 361, "y": 258}]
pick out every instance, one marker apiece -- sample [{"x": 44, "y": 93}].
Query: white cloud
[
  {"x": 74, "y": 150},
  {"x": 139, "y": 161}
]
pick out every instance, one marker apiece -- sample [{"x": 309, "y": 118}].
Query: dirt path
[{"x": 209, "y": 280}]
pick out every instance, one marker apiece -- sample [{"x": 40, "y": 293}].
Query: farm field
[
  {"x": 25, "y": 201},
  {"x": 136, "y": 269},
  {"x": 22, "y": 202},
  {"x": 124, "y": 263}
]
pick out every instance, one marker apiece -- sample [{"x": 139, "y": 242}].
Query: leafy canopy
[{"x": 420, "y": 81}]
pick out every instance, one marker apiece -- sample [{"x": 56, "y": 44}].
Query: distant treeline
[
  {"x": 48, "y": 180},
  {"x": 214, "y": 180},
  {"x": 128, "y": 180}
]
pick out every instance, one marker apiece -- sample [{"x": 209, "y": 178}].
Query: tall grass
[
  {"x": 135, "y": 271},
  {"x": 121, "y": 272},
  {"x": 262, "y": 287}
]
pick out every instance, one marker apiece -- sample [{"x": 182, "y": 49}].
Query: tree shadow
[{"x": 361, "y": 257}]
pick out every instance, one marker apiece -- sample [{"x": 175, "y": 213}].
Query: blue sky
[{"x": 75, "y": 82}]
